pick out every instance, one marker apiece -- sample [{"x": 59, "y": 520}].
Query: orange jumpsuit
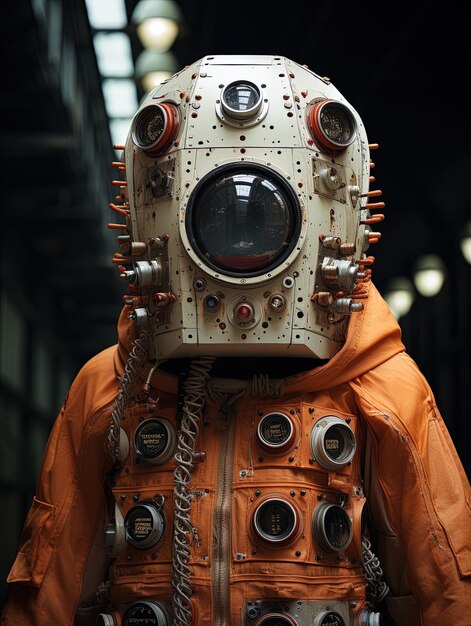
[{"x": 405, "y": 471}]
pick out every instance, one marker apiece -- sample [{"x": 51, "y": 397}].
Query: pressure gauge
[
  {"x": 330, "y": 618},
  {"x": 332, "y": 125},
  {"x": 155, "y": 127},
  {"x": 332, "y": 527},
  {"x": 333, "y": 442},
  {"x": 145, "y": 525},
  {"x": 155, "y": 440},
  {"x": 146, "y": 612},
  {"x": 276, "y": 433},
  {"x": 241, "y": 100},
  {"x": 276, "y": 520},
  {"x": 276, "y": 619}
]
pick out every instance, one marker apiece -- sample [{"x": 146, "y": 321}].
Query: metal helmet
[{"x": 247, "y": 215}]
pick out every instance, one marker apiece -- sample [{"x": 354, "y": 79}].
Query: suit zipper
[{"x": 222, "y": 528}]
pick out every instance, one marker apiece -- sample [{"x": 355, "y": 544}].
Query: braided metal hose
[
  {"x": 376, "y": 588},
  {"x": 131, "y": 371},
  {"x": 194, "y": 389}
]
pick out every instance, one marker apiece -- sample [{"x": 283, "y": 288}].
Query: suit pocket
[{"x": 36, "y": 548}]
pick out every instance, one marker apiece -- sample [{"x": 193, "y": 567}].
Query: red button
[{"x": 243, "y": 311}]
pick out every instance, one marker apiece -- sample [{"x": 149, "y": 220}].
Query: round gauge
[
  {"x": 276, "y": 521},
  {"x": 145, "y": 525},
  {"x": 332, "y": 125},
  {"x": 332, "y": 527},
  {"x": 154, "y": 441},
  {"x": 276, "y": 433},
  {"x": 155, "y": 127},
  {"x": 145, "y": 612},
  {"x": 333, "y": 442},
  {"x": 276, "y": 619},
  {"x": 241, "y": 100},
  {"x": 331, "y": 618}
]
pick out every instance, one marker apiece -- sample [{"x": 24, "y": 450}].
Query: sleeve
[
  {"x": 62, "y": 557},
  {"x": 418, "y": 497}
]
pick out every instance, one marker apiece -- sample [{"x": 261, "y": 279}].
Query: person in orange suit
[{"x": 258, "y": 448}]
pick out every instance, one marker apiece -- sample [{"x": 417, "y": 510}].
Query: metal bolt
[
  {"x": 292, "y": 493},
  {"x": 258, "y": 492},
  {"x": 311, "y": 409},
  {"x": 298, "y": 553},
  {"x": 303, "y": 492},
  {"x": 291, "y": 459},
  {"x": 135, "y": 497}
]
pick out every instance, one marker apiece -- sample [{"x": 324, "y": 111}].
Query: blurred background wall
[{"x": 73, "y": 74}]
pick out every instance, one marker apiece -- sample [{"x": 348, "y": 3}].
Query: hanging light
[
  {"x": 157, "y": 23},
  {"x": 465, "y": 243},
  {"x": 399, "y": 294},
  {"x": 429, "y": 275},
  {"x": 153, "y": 68}
]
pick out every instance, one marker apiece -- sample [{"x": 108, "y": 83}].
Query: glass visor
[{"x": 243, "y": 222}]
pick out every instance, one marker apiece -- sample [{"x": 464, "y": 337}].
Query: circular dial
[
  {"x": 276, "y": 521},
  {"x": 241, "y": 100},
  {"x": 332, "y": 527},
  {"x": 155, "y": 440},
  {"x": 276, "y": 432}
]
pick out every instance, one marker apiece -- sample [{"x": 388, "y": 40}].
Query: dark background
[{"x": 403, "y": 65}]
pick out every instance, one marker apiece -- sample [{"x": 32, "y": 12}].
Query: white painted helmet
[{"x": 247, "y": 221}]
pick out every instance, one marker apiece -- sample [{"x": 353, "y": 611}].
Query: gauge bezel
[
  {"x": 319, "y": 527},
  {"x": 318, "y": 437},
  {"x": 286, "y": 538},
  {"x": 317, "y": 131},
  {"x": 169, "y": 448},
  {"x": 276, "y": 448},
  {"x": 171, "y": 117},
  {"x": 242, "y": 119}
]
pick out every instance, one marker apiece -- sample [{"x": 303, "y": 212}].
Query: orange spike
[
  {"x": 119, "y": 147},
  {"x": 368, "y": 261},
  {"x": 121, "y": 210},
  {"x": 121, "y": 259},
  {"x": 374, "y": 205},
  {"x": 373, "y": 193},
  {"x": 117, "y": 163},
  {"x": 373, "y": 146},
  {"x": 117, "y": 226},
  {"x": 372, "y": 179},
  {"x": 119, "y": 183},
  {"x": 372, "y": 165},
  {"x": 374, "y": 219}
]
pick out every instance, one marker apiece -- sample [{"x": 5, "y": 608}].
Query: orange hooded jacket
[{"x": 417, "y": 494}]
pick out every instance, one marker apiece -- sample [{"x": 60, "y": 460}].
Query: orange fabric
[{"x": 417, "y": 494}]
